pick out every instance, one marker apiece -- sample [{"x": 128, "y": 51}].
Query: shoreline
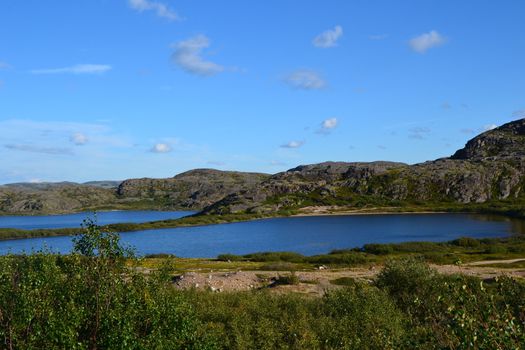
[{"x": 195, "y": 220}]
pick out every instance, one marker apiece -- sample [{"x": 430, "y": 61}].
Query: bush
[
  {"x": 276, "y": 256},
  {"x": 361, "y": 317},
  {"x": 91, "y": 299},
  {"x": 230, "y": 257},
  {"x": 466, "y": 242},
  {"x": 290, "y": 279},
  {"x": 378, "y": 249}
]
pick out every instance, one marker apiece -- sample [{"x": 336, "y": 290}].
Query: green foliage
[
  {"x": 466, "y": 242},
  {"x": 455, "y": 311},
  {"x": 344, "y": 281},
  {"x": 290, "y": 279},
  {"x": 230, "y": 257},
  {"x": 361, "y": 317},
  {"x": 378, "y": 249},
  {"x": 90, "y": 300}
]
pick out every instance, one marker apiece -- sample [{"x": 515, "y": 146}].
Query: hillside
[
  {"x": 192, "y": 190},
  {"x": 491, "y": 167}
]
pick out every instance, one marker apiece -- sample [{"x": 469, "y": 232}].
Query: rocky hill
[
  {"x": 53, "y": 198},
  {"x": 192, "y": 190},
  {"x": 490, "y": 167}
]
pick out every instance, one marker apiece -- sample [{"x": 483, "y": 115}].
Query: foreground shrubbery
[
  {"x": 91, "y": 300},
  {"x": 96, "y": 299}
]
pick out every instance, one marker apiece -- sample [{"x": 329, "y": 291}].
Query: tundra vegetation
[{"x": 98, "y": 298}]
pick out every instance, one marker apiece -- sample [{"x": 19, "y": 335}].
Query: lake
[
  {"x": 305, "y": 235},
  {"x": 74, "y": 220}
]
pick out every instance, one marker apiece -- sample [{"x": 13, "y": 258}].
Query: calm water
[
  {"x": 74, "y": 220},
  {"x": 306, "y": 235}
]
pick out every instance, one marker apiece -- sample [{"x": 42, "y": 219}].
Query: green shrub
[
  {"x": 378, "y": 249},
  {"x": 344, "y": 281},
  {"x": 466, "y": 242},
  {"x": 230, "y": 257},
  {"x": 361, "y": 317},
  {"x": 275, "y": 256},
  {"x": 290, "y": 279}
]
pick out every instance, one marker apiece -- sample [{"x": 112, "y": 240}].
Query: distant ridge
[{"x": 489, "y": 168}]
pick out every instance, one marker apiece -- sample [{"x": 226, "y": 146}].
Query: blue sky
[{"x": 114, "y": 89}]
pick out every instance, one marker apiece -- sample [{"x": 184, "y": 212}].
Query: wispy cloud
[
  {"x": 76, "y": 69},
  {"x": 188, "y": 56},
  {"x": 328, "y": 125},
  {"x": 161, "y": 9},
  {"x": 328, "y": 38},
  {"x": 378, "y": 36},
  {"x": 215, "y": 163},
  {"x": 79, "y": 139},
  {"x": 518, "y": 114},
  {"x": 489, "y": 127},
  {"x": 467, "y": 131},
  {"x": 161, "y": 148},
  {"x": 4, "y": 65},
  {"x": 277, "y": 163},
  {"x": 39, "y": 149},
  {"x": 418, "y": 133},
  {"x": 426, "y": 41},
  {"x": 305, "y": 79},
  {"x": 446, "y": 105},
  {"x": 293, "y": 144}
]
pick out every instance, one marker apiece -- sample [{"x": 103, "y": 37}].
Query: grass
[
  {"x": 344, "y": 281},
  {"x": 463, "y": 250}
]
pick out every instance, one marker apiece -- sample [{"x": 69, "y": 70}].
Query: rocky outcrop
[
  {"x": 53, "y": 198},
  {"x": 490, "y": 167},
  {"x": 193, "y": 189},
  {"x": 505, "y": 142}
]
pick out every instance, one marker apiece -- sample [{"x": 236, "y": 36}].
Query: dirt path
[
  {"x": 492, "y": 262},
  {"x": 316, "y": 283}
]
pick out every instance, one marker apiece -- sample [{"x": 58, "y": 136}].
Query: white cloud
[
  {"x": 328, "y": 38},
  {"x": 328, "y": 125},
  {"x": 426, "y": 41},
  {"x": 161, "y": 148},
  {"x": 60, "y": 132},
  {"x": 293, "y": 144},
  {"x": 305, "y": 79},
  {"x": 161, "y": 9},
  {"x": 4, "y": 65},
  {"x": 188, "y": 56},
  {"x": 489, "y": 127},
  {"x": 79, "y": 139},
  {"x": 76, "y": 69}
]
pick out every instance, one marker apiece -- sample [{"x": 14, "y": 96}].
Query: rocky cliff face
[
  {"x": 490, "y": 167},
  {"x": 505, "y": 142},
  {"x": 193, "y": 189}
]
